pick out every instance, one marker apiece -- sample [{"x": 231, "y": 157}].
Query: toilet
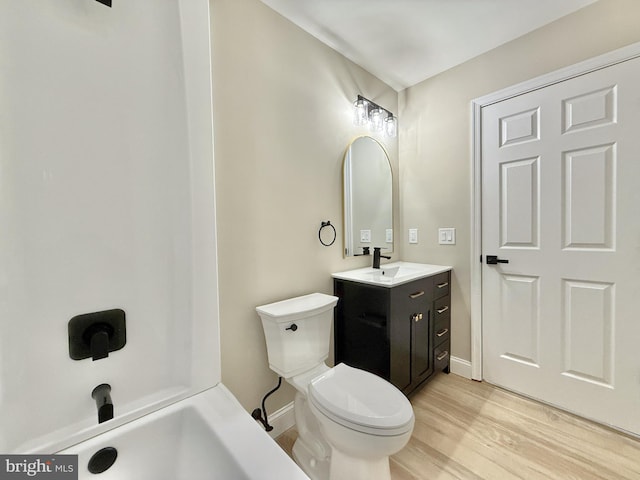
[{"x": 349, "y": 421}]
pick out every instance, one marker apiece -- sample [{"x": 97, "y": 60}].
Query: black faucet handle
[
  {"x": 94, "y": 335},
  {"x": 99, "y": 345}
]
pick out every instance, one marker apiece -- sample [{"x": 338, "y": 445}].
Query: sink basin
[
  {"x": 385, "y": 272},
  {"x": 391, "y": 274}
]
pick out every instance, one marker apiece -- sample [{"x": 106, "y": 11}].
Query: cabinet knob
[{"x": 416, "y": 317}]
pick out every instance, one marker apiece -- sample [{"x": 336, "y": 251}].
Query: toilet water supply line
[{"x": 259, "y": 414}]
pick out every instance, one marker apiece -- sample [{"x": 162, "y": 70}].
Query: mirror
[{"x": 367, "y": 198}]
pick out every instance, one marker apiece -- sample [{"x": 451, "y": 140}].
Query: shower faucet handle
[
  {"x": 94, "y": 335},
  {"x": 99, "y": 344}
]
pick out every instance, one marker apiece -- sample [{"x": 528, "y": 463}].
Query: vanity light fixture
[{"x": 379, "y": 119}]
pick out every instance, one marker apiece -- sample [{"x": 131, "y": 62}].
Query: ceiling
[{"x": 403, "y": 42}]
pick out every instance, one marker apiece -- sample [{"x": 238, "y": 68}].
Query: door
[{"x": 561, "y": 204}]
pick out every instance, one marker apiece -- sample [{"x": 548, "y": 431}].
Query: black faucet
[
  {"x": 102, "y": 395},
  {"x": 377, "y": 257}
]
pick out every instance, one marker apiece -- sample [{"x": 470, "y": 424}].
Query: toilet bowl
[
  {"x": 363, "y": 417},
  {"x": 349, "y": 421}
]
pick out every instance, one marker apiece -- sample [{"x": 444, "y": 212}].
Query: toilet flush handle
[{"x": 293, "y": 327}]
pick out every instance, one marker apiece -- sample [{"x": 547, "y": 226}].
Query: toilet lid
[{"x": 361, "y": 401}]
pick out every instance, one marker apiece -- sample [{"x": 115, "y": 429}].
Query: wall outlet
[
  {"x": 413, "y": 235},
  {"x": 365, "y": 236},
  {"x": 447, "y": 236},
  {"x": 389, "y": 235}
]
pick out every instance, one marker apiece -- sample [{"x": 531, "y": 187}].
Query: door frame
[{"x": 596, "y": 63}]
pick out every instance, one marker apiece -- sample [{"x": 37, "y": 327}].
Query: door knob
[{"x": 494, "y": 260}]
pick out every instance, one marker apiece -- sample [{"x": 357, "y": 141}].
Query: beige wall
[
  {"x": 282, "y": 115},
  {"x": 283, "y": 120},
  {"x": 435, "y": 153}
]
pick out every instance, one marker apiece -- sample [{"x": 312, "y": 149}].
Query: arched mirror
[{"x": 368, "y": 198}]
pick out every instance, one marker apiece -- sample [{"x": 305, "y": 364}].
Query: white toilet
[{"x": 349, "y": 421}]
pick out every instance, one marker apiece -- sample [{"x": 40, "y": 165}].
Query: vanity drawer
[
  {"x": 441, "y": 356},
  {"x": 441, "y": 285},
  {"x": 442, "y": 308},
  {"x": 441, "y": 332},
  {"x": 414, "y": 294}
]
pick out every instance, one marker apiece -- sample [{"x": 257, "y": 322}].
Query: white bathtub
[{"x": 207, "y": 436}]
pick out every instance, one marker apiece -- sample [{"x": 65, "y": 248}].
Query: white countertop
[{"x": 391, "y": 274}]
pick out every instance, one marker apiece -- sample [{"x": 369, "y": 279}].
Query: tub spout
[{"x": 102, "y": 395}]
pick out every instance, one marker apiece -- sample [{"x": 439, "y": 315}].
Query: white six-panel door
[{"x": 561, "y": 203}]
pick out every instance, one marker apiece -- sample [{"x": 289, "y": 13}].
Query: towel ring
[{"x": 323, "y": 225}]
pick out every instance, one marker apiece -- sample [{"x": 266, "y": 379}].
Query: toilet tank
[{"x": 297, "y": 332}]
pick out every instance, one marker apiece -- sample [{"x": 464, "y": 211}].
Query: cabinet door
[
  {"x": 411, "y": 310},
  {"x": 421, "y": 352}
]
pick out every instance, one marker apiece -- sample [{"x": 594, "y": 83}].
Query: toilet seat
[{"x": 361, "y": 401}]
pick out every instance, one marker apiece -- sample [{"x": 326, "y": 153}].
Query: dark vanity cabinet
[{"x": 400, "y": 333}]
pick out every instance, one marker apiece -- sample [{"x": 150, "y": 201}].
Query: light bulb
[
  {"x": 359, "y": 112},
  {"x": 391, "y": 126},
  {"x": 376, "y": 120}
]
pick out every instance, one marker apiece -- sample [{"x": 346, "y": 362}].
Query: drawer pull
[
  {"x": 416, "y": 317},
  {"x": 443, "y": 309},
  {"x": 442, "y": 285},
  {"x": 416, "y": 294},
  {"x": 442, "y": 355},
  {"x": 442, "y": 332}
]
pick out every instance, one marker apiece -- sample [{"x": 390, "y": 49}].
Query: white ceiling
[{"x": 403, "y": 42}]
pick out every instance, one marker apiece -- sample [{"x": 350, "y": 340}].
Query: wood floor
[{"x": 472, "y": 430}]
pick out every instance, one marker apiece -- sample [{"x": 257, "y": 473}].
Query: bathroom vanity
[{"x": 394, "y": 321}]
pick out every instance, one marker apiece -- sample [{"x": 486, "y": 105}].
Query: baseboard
[
  {"x": 282, "y": 420},
  {"x": 460, "y": 367}
]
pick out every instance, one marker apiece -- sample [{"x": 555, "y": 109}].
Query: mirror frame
[{"x": 387, "y": 248}]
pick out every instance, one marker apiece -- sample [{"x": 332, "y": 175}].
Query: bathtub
[{"x": 206, "y": 436}]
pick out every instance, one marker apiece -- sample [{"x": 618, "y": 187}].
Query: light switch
[
  {"x": 413, "y": 235},
  {"x": 447, "y": 236},
  {"x": 389, "y": 235},
  {"x": 365, "y": 236}
]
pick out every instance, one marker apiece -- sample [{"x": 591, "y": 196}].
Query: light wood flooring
[{"x": 473, "y": 430}]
